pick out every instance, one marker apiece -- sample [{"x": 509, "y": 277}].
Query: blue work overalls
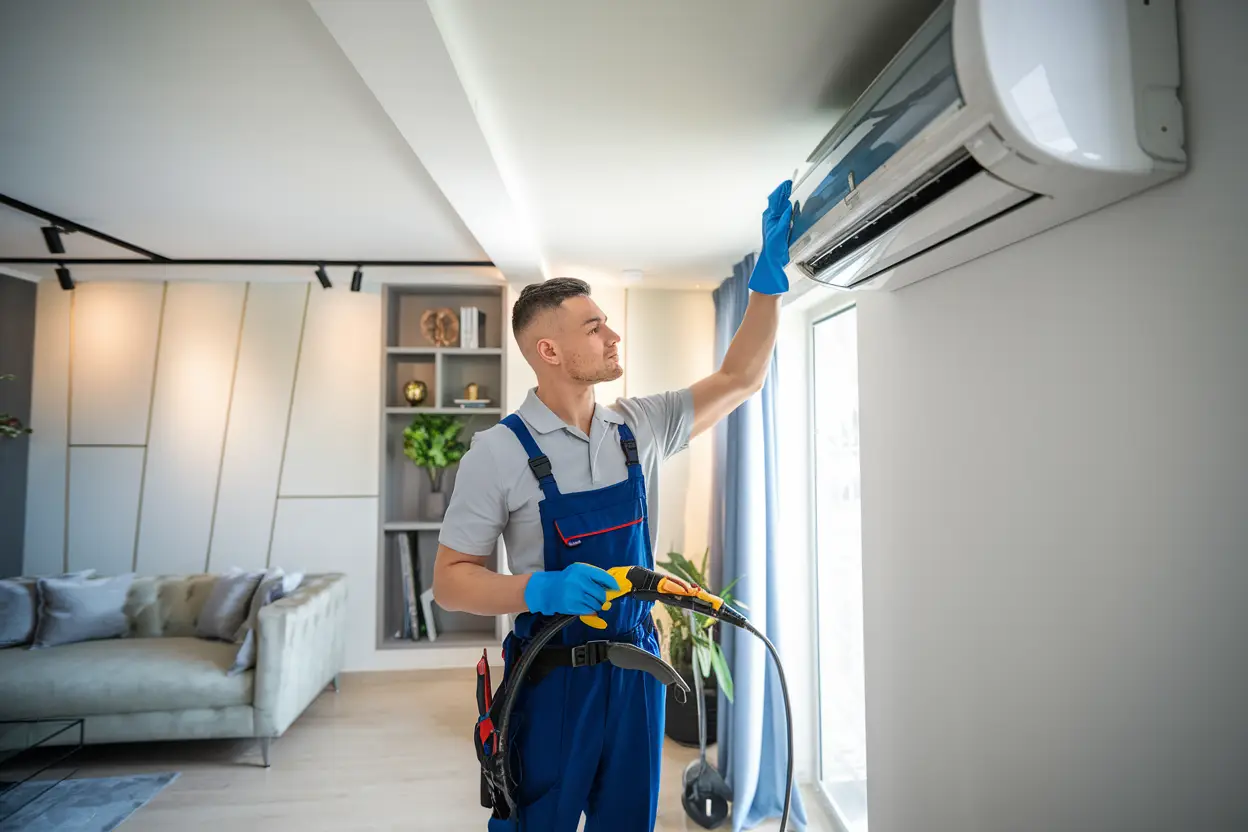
[{"x": 589, "y": 739}]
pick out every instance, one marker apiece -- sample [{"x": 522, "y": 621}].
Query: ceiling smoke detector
[{"x": 631, "y": 277}]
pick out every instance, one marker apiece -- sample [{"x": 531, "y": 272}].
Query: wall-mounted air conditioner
[{"x": 997, "y": 120}]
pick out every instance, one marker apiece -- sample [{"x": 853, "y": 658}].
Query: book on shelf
[
  {"x": 414, "y": 624},
  {"x": 471, "y": 323},
  {"x": 426, "y": 607}
]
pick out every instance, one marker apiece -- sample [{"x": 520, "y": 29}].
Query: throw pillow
[
  {"x": 81, "y": 610},
  {"x": 275, "y": 584},
  {"x": 227, "y": 605},
  {"x": 19, "y": 607}
]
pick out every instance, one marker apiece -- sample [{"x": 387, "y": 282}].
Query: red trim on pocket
[{"x": 568, "y": 540}]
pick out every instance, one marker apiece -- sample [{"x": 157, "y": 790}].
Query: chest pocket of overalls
[{"x": 620, "y": 520}]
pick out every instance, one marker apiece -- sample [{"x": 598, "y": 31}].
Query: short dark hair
[{"x": 540, "y": 297}]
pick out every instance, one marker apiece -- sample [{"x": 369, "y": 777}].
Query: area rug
[{"x": 92, "y": 804}]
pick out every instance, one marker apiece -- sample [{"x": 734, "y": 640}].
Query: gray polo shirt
[{"x": 497, "y": 494}]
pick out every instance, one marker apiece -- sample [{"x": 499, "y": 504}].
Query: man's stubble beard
[{"x": 597, "y": 376}]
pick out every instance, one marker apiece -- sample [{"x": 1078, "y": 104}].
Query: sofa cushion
[
  {"x": 19, "y": 606},
  {"x": 276, "y": 585},
  {"x": 130, "y": 675},
  {"x": 72, "y": 610},
  {"x": 226, "y": 608}
]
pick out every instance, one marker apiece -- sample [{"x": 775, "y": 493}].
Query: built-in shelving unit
[{"x": 407, "y": 355}]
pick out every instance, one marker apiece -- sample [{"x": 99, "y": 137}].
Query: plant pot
[
  {"x": 435, "y": 505},
  {"x": 682, "y": 718}
]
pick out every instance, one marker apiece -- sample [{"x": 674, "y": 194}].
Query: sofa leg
[
  {"x": 335, "y": 683},
  {"x": 265, "y": 743}
]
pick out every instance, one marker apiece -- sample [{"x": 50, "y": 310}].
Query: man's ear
[{"x": 548, "y": 351}]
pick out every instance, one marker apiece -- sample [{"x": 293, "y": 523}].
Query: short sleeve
[
  {"x": 477, "y": 511},
  {"x": 670, "y": 416}
]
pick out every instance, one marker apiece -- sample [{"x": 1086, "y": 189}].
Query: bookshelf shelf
[
  {"x": 413, "y": 526},
  {"x": 444, "y": 411},
  {"x": 461, "y": 639},
  {"x": 443, "y": 351},
  {"x": 408, "y": 519}
]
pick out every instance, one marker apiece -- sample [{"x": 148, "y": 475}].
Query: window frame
[{"x": 819, "y": 313}]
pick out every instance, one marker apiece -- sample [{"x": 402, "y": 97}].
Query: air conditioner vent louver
[{"x": 939, "y": 180}]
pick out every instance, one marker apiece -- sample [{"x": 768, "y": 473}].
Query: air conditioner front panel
[
  {"x": 979, "y": 198},
  {"x": 975, "y": 199},
  {"x": 916, "y": 89}
]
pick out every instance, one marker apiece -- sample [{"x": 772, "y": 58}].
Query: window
[{"x": 838, "y": 556}]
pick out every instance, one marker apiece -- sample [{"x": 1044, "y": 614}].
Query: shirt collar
[{"x": 543, "y": 420}]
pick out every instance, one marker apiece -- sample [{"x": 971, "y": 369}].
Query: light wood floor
[{"x": 389, "y": 752}]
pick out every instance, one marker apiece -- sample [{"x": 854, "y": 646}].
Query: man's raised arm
[{"x": 744, "y": 368}]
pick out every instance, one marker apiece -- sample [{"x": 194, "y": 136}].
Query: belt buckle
[{"x": 589, "y": 653}]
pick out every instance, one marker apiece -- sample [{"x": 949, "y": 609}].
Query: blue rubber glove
[
  {"x": 579, "y": 589},
  {"x": 768, "y": 277}
]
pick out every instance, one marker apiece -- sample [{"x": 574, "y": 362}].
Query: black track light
[
  {"x": 52, "y": 239},
  {"x": 357, "y": 279},
  {"x": 322, "y": 276},
  {"x": 63, "y": 277}
]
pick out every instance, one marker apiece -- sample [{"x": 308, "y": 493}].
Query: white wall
[
  {"x": 1055, "y": 493},
  {"x": 670, "y": 344},
  {"x": 197, "y": 426}
]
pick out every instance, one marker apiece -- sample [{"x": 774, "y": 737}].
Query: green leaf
[
  {"x": 704, "y": 661},
  {"x": 722, "y": 674},
  {"x": 431, "y": 442},
  {"x": 688, "y": 571}
]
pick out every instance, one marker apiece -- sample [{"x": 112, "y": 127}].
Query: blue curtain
[{"x": 751, "y": 730}]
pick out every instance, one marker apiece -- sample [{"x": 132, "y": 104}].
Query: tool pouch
[
  {"x": 484, "y": 734},
  {"x": 485, "y": 741}
]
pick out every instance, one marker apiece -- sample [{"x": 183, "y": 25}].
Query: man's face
[{"x": 589, "y": 349}]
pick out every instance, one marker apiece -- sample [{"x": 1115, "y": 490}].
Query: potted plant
[
  {"x": 11, "y": 427},
  {"x": 432, "y": 442},
  {"x": 693, "y": 647}
]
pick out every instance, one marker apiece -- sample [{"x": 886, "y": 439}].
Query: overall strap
[
  {"x": 539, "y": 464},
  {"x": 629, "y": 444}
]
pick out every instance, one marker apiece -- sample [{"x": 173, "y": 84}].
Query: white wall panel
[
  {"x": 335, "y": 535},
  {"x": 103, "y": 507},
  {"x": 44, "y": 549},
  {"x": 520, "y": 376},
  {"x": 256, "y": 433},
  {"x": 670, "y": 345},
  {"x": 114, "y": 353},
  {"x": 332, "y": 444},
  {"x": 193, "y": 381}
]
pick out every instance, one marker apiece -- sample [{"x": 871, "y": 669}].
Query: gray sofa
[{"x": 161, "y": 682}]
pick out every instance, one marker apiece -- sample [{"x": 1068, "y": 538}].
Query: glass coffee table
[{"x": 34, "y": 757}]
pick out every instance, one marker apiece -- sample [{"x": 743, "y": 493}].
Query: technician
[{"x": 571, "y": 486}]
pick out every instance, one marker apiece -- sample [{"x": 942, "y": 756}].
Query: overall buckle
[
  {"x": 630, "y": 451},
  {"x": 541, "y": 467},
  {"x": 590, "y": 653}
]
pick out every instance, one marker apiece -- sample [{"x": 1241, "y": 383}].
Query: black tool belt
[{"x": 618, "y": 653}]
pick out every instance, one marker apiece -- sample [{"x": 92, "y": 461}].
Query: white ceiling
[
  {"x": 552, "y": 136},
  {"x": 648, "y": 134}
]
